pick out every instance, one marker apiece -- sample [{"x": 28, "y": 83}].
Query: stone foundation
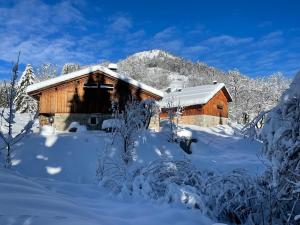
[
  {"x": 62, "y": 121},
  {"x": 203, "y": 120},
  {"x": 154, "y": 123}
]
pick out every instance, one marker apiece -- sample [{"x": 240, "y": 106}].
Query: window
[
  {"x": 93, "y": 120},
  {"x": 100, "y": 85},
  {"x": 219, "y": 106}
]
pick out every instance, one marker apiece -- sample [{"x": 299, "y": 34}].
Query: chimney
[
  {"x": 113, "y": 67},
  {"x": 215, "y": 82}
]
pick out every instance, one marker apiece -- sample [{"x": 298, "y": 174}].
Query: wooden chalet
[
  {"x": 86, "y": 96},
  {"x": 205, "y": 105}
]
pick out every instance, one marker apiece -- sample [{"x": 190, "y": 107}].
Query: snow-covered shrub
[
  {"x": 76, "y": 127},
  {"x": 47, "y": 130},
  {"x": 233, "y": 197},
  {"x": 110, "y": 124},
  {"x": 281, "y": 138},
  {"x": 168, "y": 181},
  {"x": 111, "y": 174}
]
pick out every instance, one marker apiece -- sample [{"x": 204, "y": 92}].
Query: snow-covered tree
[
  {"x": 281, "y": 138},
  {"x": 46, "y": 71},
  {"x": 130, "y": 121},
  {"x": 70, "y": 67},
  {"x": 174, "y": 113},
  {"x": 3, "y": 94},
  {"x": 23, "y": 102},
  {"x": 9, "y": 138}
]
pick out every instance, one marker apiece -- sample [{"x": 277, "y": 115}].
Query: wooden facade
[{"x": 87, "y": 94}]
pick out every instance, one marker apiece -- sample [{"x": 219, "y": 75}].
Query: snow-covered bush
[
  {"x": 111, "y": 173},
  {"x": 47, "y": 130},
  {"x": 76, "y": 127},
  {"x": 110, "y": 124},
  {"x": 281, "y": 138},
  {"x": 234, "y": 197},
  {"x": 169, "y": 181}
]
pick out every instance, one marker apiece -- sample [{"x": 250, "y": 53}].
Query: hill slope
[{"x": 161, "y": 70}]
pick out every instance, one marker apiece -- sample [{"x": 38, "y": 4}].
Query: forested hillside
[{"x": 162, "y": 70}]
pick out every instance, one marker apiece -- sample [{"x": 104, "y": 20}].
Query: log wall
[{"x": 73, "y": 97}]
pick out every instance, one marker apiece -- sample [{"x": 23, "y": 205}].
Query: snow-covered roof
[
  {"x": 91, "y": 69},
  {"x": 191, "y": 96}
]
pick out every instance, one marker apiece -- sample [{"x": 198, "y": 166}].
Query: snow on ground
[
  {"x": 73, "y": 156},
  {"x": 222, "y": 149},
  {"x": 29, "y": 201},
  {"x": 55, "y": 178}
]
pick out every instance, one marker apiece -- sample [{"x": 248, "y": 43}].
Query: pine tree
[
  {"x": 3, "y": 95},
  {"x": 24, "y": 103}
]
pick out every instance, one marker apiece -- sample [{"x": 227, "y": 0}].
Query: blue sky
[{"x": 257, "y": 37}]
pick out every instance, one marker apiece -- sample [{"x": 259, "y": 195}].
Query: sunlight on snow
[
  {"x": 42, "y": 157},
  {"x": 53, "y": 170},
  {"x": 158, "y": 152},
  {"x": 15, "y": 162},
  {"x": 50, "y": 140}
]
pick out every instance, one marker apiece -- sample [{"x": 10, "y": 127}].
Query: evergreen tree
[
  {"x": 23, "y": 102},
  {"x": 3, "y": 95}
]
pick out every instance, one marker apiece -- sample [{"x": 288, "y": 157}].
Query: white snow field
[
  {"x": 53, "y": 179},
  {"x": 28, "y": 201}
]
